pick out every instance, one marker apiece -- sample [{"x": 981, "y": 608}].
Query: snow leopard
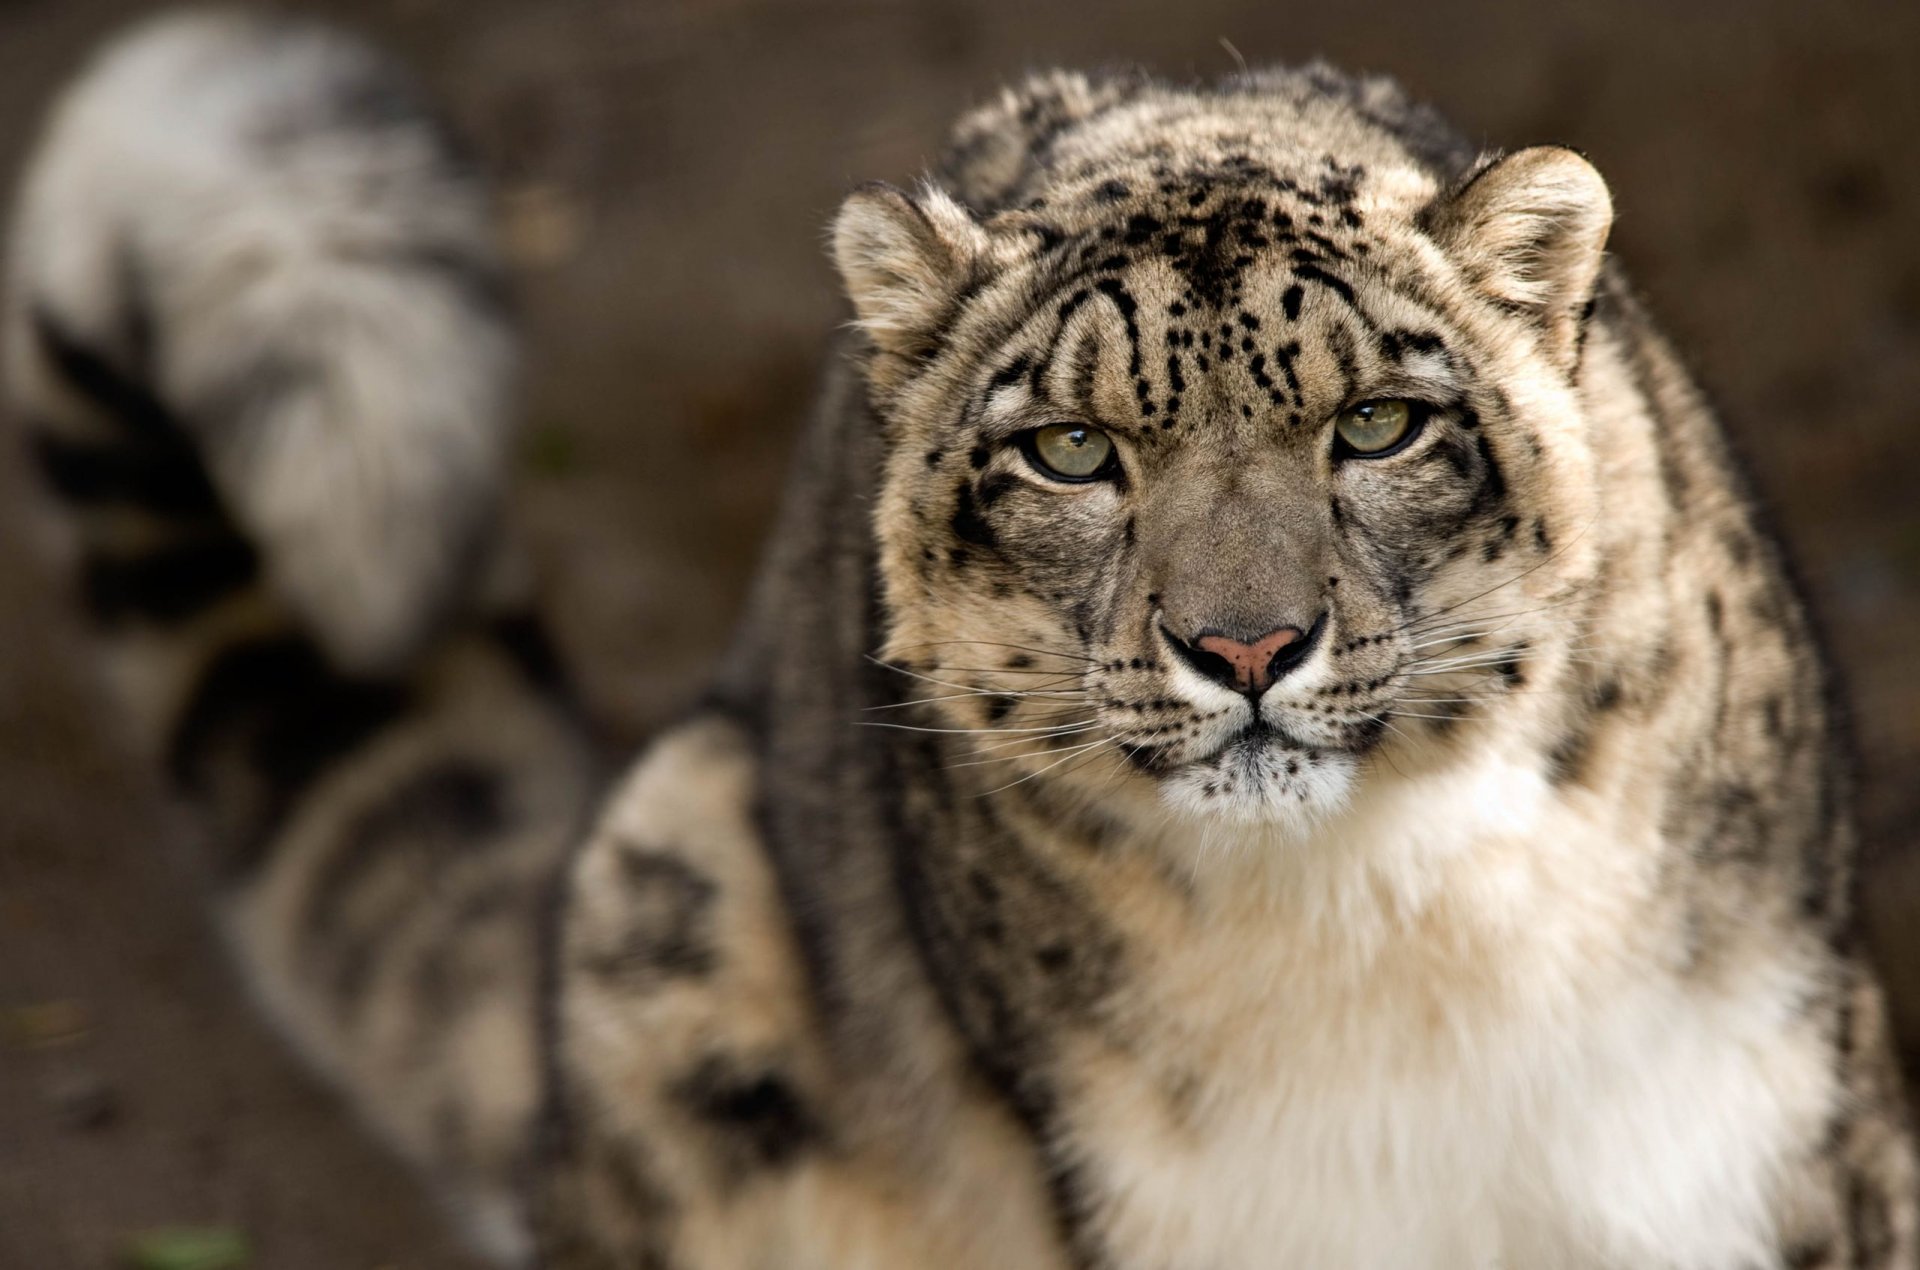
[{"x": 1271, "y": 729}]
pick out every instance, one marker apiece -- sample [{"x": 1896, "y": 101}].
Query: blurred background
[{"x": 666, "y": 168}]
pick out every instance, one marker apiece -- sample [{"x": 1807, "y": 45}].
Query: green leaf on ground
[{"x": 189, "y": 1248}]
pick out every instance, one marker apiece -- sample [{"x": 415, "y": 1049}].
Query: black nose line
[
  {"x": 1217, "y": 669},
  {"x": 1291, "y": 655},
  {"x": 1209, "y": 666}
]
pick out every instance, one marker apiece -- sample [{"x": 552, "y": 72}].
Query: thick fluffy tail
[{"x": 257, "y": 341}]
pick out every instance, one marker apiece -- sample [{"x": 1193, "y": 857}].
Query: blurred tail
[{"x": 256, "y": 338}]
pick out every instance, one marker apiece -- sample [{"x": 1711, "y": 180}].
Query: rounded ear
[
  {"x": 1530, "y": 230},
  {"x": 904, "y": 260}
]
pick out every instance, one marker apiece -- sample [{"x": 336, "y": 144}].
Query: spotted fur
[{"x": 978, "y": 918}]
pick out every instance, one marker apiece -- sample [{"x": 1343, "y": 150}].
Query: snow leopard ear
[
  {"x": 1530, "y": 229},
  {"x": 905, "y": 260}
]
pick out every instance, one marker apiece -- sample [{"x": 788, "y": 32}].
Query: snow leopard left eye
[{"x": 1375, "y": 429}]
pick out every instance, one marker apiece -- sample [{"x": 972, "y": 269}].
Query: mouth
[
  {"x": 1260, "y": 773},
  {"x": 1244, "y": 746},
  {"x": 1256, "y": 736},
  {"x": 1258, "y": 751}
]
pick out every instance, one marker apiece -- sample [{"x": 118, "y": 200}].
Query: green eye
[
  {"x": 1069, "y": 452},
  {"x": 1375, "y": 427}
]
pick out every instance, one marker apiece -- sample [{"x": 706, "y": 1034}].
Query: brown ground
[{"x": 669, "y": 166}]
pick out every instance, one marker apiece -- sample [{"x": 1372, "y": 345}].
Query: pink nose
[{"x": 1253, "y": 664}]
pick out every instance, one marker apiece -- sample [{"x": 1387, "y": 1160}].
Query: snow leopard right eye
[{"x": 1070, "y": 452}]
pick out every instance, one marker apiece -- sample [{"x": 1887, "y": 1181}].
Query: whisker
[
  {"x": 1506, "y": 617},
  {"x": 908, "y": 727},
  {"x": 1069, "y": 753},
  {"x": 1020, "y": 694},
  {"x": 1055, "y": 671},
  {"x": 1017, "y": 754},
  {"x": 1059, "y": 729},
  {"x": 1527, "y": 572},
  {"x": 944, "y": 683},
  {"x": 988, "y": 643}
]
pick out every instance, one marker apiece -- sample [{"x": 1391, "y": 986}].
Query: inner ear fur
[
  {"x": 904, "y": 260},
  {"x": 1530, "y": 230}
]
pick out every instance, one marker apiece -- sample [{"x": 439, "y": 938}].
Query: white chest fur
[{"x": 1452, "y": 1031}]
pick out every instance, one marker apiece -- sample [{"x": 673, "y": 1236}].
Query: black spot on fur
[
  {"x": 994, "y": 487},
  {"x": 967, "y": 524},
  {"x": 1314, "y": 273},
  {"x": 1054, "y": 958},
  {"x": 757, "y": 1119},
  {"x": 1011, "y": 373},
  {"x": 1816, "y": 1253},
  {"x": 666, "y": 922},
  {"x": 168, "y": 584},
  {"x": 524, "y": 639},
  {"x": 1283, "y": 357},
  {"x": 264, "y": 721},
  {"x": 115, "y": 393},
  {"x": 164, "y": 479},
  {"x": 1566, "y": 760},
  {"x": 1492, "y": 494}
]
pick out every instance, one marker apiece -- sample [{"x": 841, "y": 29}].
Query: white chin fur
[{"x": 1262, "y": 783}]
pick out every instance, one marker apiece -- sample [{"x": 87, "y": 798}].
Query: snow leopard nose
[{"x": 1249, "y": 666}]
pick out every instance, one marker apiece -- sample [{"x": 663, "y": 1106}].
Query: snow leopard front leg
[{"x": 704, "y": 1115}]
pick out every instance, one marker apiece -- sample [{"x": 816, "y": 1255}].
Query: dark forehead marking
[
  {"x": 1257, "y": 367},
  {"x": 1084, "y": 359},
  {"x": 1010, "y": 373},
  {"x": 1211, "y": 219},
  {"x": 1395, "y": 345},
  {"x": 1213, "y": 241},
  {"x": 1341, "y": 344},
  {"x": 1283, "y": 356},
  {"x": 1310, "y": 271},
  {"x": 1129, "y": 309}
]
